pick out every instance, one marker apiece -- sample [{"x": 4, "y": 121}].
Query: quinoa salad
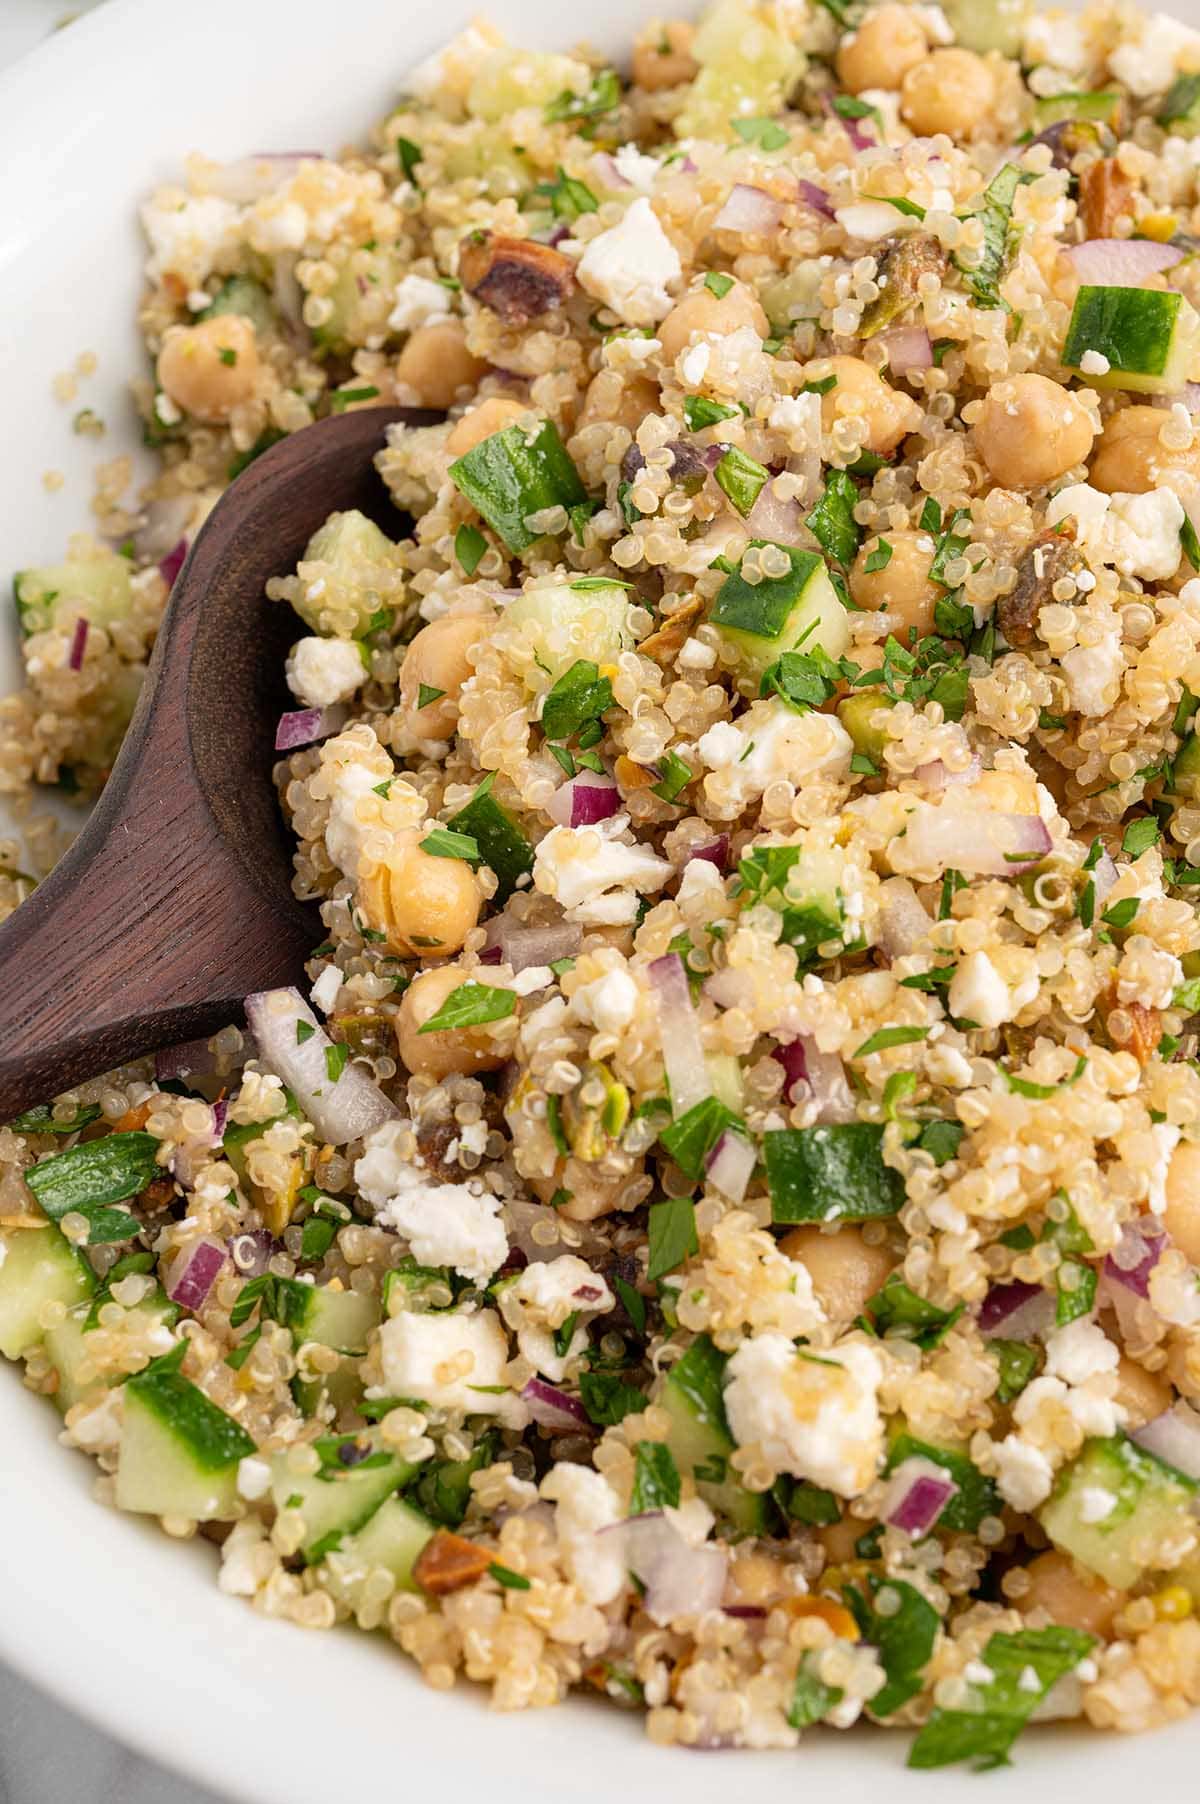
[{"x": 719, "y": 1227}]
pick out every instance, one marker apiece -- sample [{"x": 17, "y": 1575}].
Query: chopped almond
[
  {"x": 448, "y": 1562},
  {"x": 672, "y": 634},
  {"x": 516, "y": 277},
  {"x": 1105, "y": 193},
  {"x": 133, "y": 1120}
]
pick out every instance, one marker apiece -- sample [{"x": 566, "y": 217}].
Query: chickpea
[
  {"x": 462, "y": 1050},
  {"x": 589, "y": 1192},
  {"x": 1131, "y": 458},
  {"x": 949, "y": 91},
  {"x": 1070, "y": 1596},
  {"x": 492, "y": 415},
  {"x": 861, "y": 393},
  {"x": 436, "y": 364},
  {"x": 703, "y": 311},
  {"x": 210, "y": 369},
  {"x": 1142, "y": 1394},
  {"x": 424, "y": 905},
  {"x": 881, "y": 52},
  {"x": 439, "y": 657},
  {"x": 1030, "y": 431},
  {"x": 618, "y": 401},
  {"x": 903, "y": 586},
  {"x": 845, "y": 1269},
  {"x": 838, "y": 1538},
  {"x": 755, "y": 1578},
  {"x": 662, "y": 54},
  {"x": 1181, "y": 1218}
]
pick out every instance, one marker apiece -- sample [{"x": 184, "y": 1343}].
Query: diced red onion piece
[
  {"x": 731, "y": 1165},
  {"x": 935, "y": 777},
  {"x": 522, "y": 947},
  {"x": 773, "y": 518},
  {"x": 750, "y": 210},
  {"x": 341, "y": 1111},
  {"x": 1133, "y": 1259},
  {"x": 1121, "y": 262},
  {"x": 304, "y": 726},
  {"x": 196, "y": 1273},
  {"x": 744, "y": 1612},
  {"x": 491, "y": 955},
  {"x": 904, "y": 922},
  {"x": 824, "y": 1076},
  {"x": 908, "y": 348},
  {"x": 679, "y": 1031},
  {"x": 1189, "y": 394},
  {"x": 975, "y": 841},
  {"x": 165, "y": 524},
  {"x": 1017, "y": 1311},
  {"x": 917, "y": 1495},
  {"x": 583, "y": 800},
  {"x": 1175, "y": 1437},
  {"x": 79, "y": 639},
  {"x": 608, "y": 172},
  {"x": 713, "y": 851},
  {"x": 554, "y": 1409},
  {"x": 170, "y": 566},
  {"x": 816, "y": 198},
  {"x": 679, "y": 1580},
  {"x": 689, "y": 166},
  {"x": 252, "y": 1252},
  {"x": 795, "y": 1066},
  {"x": 220, "y": 1116}
]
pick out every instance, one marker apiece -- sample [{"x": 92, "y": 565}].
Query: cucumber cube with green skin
[
  {"x": 339, "y": 1499},
  {"x": 1151, "y": 1505},
  {"x": 565, "y": 623},
  {"x": 797, "y": 611},
  {"x": 96, "y": 588},
  {"x": 1104, "y": 107},
  {"x": 179, "y": 1452},
  {"x": 336, "y": 1390},
  {"x": 1186, "y": 768},
  {"x": 515, "y": 473},
  {"x": 248, "y": 299},
  {"x": 1150, "y": 338},
  {"x": 391, "y": 1539},
  {"x": 699, "y": 1438},
  {"x": 37, "y": 1266},
  {"x": 831, "y": 1172},
  {"x": 68, "y": 1347},
  {"x": 336, "y": 1318},
  {"x": 983, "y": 25}
]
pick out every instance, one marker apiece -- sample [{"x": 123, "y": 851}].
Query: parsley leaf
[
  {"x": 983, "y": 279},
  {"x": 655, "y": 1478},
  {"x": 1001, "y": 1707},
  {"x": 580, "y": 695},
  {"x": 471, "y": 1005},
  {"x": 1140, "y": 835},
  {"x": 904, "y": 1633},
  {"x": 742, "y": 478},
  {"x": 608, "y": 1399},
  {"x": 890, "y": 1036},
  {"x": 832, "y": 520},
  {"x": 766, "y": 133},
  {"x": 444, "y": 842},
  {"x": 672, "y": 1235},
  {"x": 469, "y": 547},
  {"x": 690, "y": 1139}
]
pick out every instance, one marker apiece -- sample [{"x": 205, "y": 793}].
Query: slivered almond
[{"x": 447, "y": 1562}]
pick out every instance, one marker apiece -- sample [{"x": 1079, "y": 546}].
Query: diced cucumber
[
  {"x": 337, "y": 1318},
  {"x": 247, "y": 298},
  {"x": 726, "y": 1077},
  {"x": 68, "y": 1347},
  {"x": 1150, "y": 1501},
  {"x": 443, "y": 1490},
  {"x": 516, "y": 473},
  {"x": 563, "y": 624},
  {"x": 857, "y": 713},
  {"x": 1103, "y": 108},
  {"x": 96, "y": 588},
  {"x": 392, "y": 1539},
  {"x": 700, "y": 1440},
  {"x": 794, "y": 296},
  {"x": 356, "y": 290},
  {"x": 976, "y": 1497},
  {"x": 357, "y": 558},
  {"x": 1180, "y": 110},
  {"x": 983, "y": 25},
  {"x": 339, "y": 1389},
  {"x": 37, "y": 1266},
  {"x": 762, "y": 620},
  {"x": 339, "y": 1499},
  {"x": 747, "y": 67},
  {"x": 1150, "y": 337},
  {"x": 486, "y": 154},
  {"x": 507, "y": 79},
  {"x": 831, "y": 1172},
  {"x": 179, "y": 1452}
]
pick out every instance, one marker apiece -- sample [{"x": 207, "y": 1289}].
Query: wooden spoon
[{"x": 175, "y": 901}]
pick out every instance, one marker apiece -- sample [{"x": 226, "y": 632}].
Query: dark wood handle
[{"x": 175, "y": 901}]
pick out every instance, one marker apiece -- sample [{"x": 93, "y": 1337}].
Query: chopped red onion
[
  {"x": 713, "y": 851},
  {"x": 1175, "y": 1437},
  {"x": 679, "y": 1580},
  {"x": 491, "y": 955},
  {"x": 908, "y": 348},
  {"x": 1017, "y": 1311},
  {"x": 341, "y": 1110},
  {"x": 607, "y": 170},
  {"x": 731, "y": 1165},
  {"x": 745, "y": 1612},
  {"x": 975, "y": 841},
  {"x": 1121, "y": 262},
  {"x": 749, "y": 210},
  {"x": 917, "y": 1495},
  {"x": 816, "y": 198},
  {"x": 220, "y": 1116},
  {"x": 904, "y": 922},
  {"x": 305, "y": 726},
  {"x": 1189, "y": 394},
  {"x": 1134, "y": 1258},
  {"x": 935, "y": 777},
  {"x": 795, "y": 1066},
  {"x": 583, "y": 800},
  {"x": 165, "y": 524},
  {"x": 170, "y": 566},
  {"x": 824, "y": 1075},
  {"x": 679, "y": 1032},
  {"x": 522, "y": 947},
  {"x": 79, "y": 640},
  {"x": 252, "y": 1252},
  {"x": 774, "y": 518},
  {"x": 196, "y": 1273},
  {"x": 555, "y": 1409}
]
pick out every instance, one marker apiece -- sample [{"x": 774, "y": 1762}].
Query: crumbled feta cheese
[
  {"x": 418, "y": 301},
  {"x": 253, "y": 1478},
  {"x": 693, "y": 363},
  {"x": 1095, "y": 1503},
  {"x": 452, "y": 1358},
  {"x": 351, "y": 771},
  {"x": 631, "y": 267},
  {"x": 1093, "y": 673},
  {"x": 1144, "y": 533},
  {"x": 978, "y": 992},
  {"x": 1166, "y": 1138},
  {"x": 608, "y": 1003},
  {"x": 815, "y": 1417},
  {"x": 1023, "y": 1473},
  {"x": 247, "y": 1559},
  {"x": 595, "y": 875},
  {"x": 1147, "y": 63},
  {"x": 324, "y": 992},
  {"x": 282, "y": 226},
  {"x": 771, "y": 741},
  {"x": 586, "y": 1504},
  {"x": 1147, "y": 974},
  {"x": 444, "y": 1224},
  {"x": 634, "y": 167},
  {"x": 1094, "y": 363},
  {"x": 321, "y": 672},
  {"x": 694, "y": 654},
  {"x": 1079, "y": 1351},
  {"x": 1094, "y": 1413},
  {"x": 1088, "y": 507},
  {"x": 1055, "y": 38},
  {"x": 187, "y": 235},
  {"x": 544, "y": 1296}
]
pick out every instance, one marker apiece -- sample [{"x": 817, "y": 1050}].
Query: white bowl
[{"x": 119, "y": 1622}]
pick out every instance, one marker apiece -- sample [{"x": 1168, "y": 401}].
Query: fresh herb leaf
[
  {"x": 316, "y": 1237},
  {"x": 879, "y": 559},
  {"x": 504, "y": 1575},
  {"x": 445, "y": 842},
  {"x": 904, "y": 1631},
  {"x": 674, "y": 777},
  {"x": 995, "y": 214},
  {"x": 742, "y": 478},
  {"x": 342, "y": 398},
  {"x": 1075, "y": 1284},
  {"x": 941, "y": 1140},
  {"x": 469, "y": 548},
  {"x": 831, "y": 1172},
  {"x": 608, "y": 1399},
  {"x": 335, "y": 1061},
  {"x": 692, "y": 1138},
  {"x": 672, "y": 1235},
  {"x": 1121, "y": 914},
  {"x": 580, "y": 695},
  {"x": 811, "y": 1697},
  {"x": 1039, "y": 1092},
  {"x": 767, "y": 134},
  {"x": 88, "y": 1178},
  {"x": 1140, "y": 835},
  {"x": 718, "y": 284},
  {"x": 890, "y": 1036},
  {"x": 1190, "y": 542},
  {"x": 410, "y": 155},
  {"x": 40, "y": 1120},
  {"x": 1016, "y": 1363},
  {"x": 699, "y": 411},
  {"x": 471, "y": 1005},
  {"x": 655, "y": 1478},
  {"x": 1000, "y": 1708},
  {"x": 568, "y": 198},
  {"x": 899, "y": 1311},
  {"x": 602, "y": 97},
  {"x": 832, "y": 520}
]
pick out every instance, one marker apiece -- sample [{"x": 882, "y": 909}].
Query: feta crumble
[
  {"x": 631, "y": 267},
  {"x": 321, "y": 672},
  {"x": 816, "y": 1417}
]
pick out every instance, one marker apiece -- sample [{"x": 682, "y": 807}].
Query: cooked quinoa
[{"x": 724, "y": 1232}]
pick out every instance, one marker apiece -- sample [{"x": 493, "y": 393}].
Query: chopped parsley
[
  {"x": 742, "y": 478},
  {"x": 579, "y": 697},
  {"x": 832, "y": 522},
  {"x": 655, "y": 1478},
  {"x": 469, "y": 547},
  {"x": 444, "y": 842},
  {"x": 1025, "y": 1667},
  {"x": 692, "y": 1138},
  {"x": 718, "y": 284},
  {"x": 672, "y": 1235},
  {"x": 699, "y": 411},
  {"x": 767, "y": 134},
  {"x": 879, "y": 559},
  {"x": 890, "y": 1036},
  {"x": 1039, "y": 1092},
  {"x": 471, "y": 1005}
]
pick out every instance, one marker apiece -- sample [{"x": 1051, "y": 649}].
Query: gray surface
[{"x": 48, "y": 1756}]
